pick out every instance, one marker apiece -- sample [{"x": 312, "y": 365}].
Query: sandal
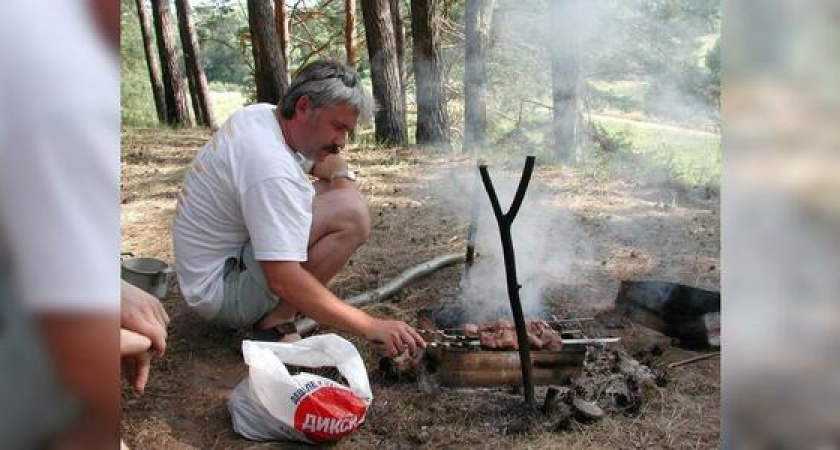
[{"x": 284, "y": 332}]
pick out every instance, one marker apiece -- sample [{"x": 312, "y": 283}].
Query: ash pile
[{"x": 610, "y": 382}]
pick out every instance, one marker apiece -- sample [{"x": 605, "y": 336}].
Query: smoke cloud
[{"x": 548, "y": 243}]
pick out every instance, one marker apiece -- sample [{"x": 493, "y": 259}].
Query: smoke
[
  {"x": 631, "y": 56},
  {"x": 548, "y": 244},
  {"x": 652, "y": 47}
]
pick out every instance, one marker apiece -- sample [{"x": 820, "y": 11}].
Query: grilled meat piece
[
  {"x": 501, "y": 334},
  {"x": 471, "y": 330}
]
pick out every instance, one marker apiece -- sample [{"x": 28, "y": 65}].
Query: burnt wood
[{"x": 505, "y": 220}]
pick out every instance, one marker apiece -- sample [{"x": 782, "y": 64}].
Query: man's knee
[
  {"x": 359, "y": 218},
  {"x": 355, "y": 216}
]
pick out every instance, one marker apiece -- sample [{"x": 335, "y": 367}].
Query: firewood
[{"x": 307, "y": 325}]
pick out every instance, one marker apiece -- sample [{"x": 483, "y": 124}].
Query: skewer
[
  {"x": 608, "y": 340},
  {"x": 477, "y": 344},
  {"x": 452, "y": 344},
  {"x": 549, "y": 322},
  {"x": 571, "y": 319}
]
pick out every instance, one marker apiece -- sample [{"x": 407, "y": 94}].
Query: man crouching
[{"x": 255, "y": 240}]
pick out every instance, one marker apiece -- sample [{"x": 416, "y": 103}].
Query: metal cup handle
[{"x": 168, "y": 272}]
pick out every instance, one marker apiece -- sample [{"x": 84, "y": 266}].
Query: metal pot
[
  {"x": 469, "y": 368},
  {"x": 149, "y": 274}
]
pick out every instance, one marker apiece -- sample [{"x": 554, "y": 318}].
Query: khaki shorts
[{"x": 247, "y": 297}]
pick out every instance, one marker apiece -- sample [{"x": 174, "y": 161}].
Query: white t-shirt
[
  {"x": 59, "y": 158},
  {"x": 244, "y": 184}
]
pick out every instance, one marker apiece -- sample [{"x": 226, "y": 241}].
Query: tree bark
[
  {"x": 177, "y": 112},
  {"x": 281, "y": 20},
  {"x": 268, "y": 58},
  {"x": 399, "y": 39},
  {"x": 432, "y": 124},
  {"x": 350, "y": 45},
  {"x": 565, "y": 74},
  {"x": 151, "y": 60},
  {"x": 477, "y": 15},
  {"x": 196, "y": 104},
  {"x": 195, "y": 66},
  {"x": 390, "y": 118}
]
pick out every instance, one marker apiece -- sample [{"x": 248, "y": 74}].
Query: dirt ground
[{"x": 675, "y": 236}]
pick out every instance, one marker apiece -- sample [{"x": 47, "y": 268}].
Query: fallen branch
[
  {"x": 308, "y": 325},
  {"x": 691, "y": 360}
]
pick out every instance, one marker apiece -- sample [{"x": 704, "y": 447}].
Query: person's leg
[
  {"x": 247, "y": 298},
  {"x": 340, "y": 225}
]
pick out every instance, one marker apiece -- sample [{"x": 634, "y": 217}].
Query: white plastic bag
[{"x": 271, "y": 404}]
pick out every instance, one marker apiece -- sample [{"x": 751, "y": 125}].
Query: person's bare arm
[
  {"x": 295, "y": 285},
  {"x": 331, "y": 164},
  {"x": 84, "y": 348}
]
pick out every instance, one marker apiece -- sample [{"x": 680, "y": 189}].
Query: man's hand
[
  {"x": 394, "y": 336},
  {"x": 304, "y": 293},
  {"x": 143, "y": 314},
  {"x": 332, "y": 163},
  {"x": 135, "y": 358}
]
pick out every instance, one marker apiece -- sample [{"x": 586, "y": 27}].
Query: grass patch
[
  {"x": 225, "y": 103},
  {"x": 660, "y": 153},
  {"x": 650, "y": 152}
]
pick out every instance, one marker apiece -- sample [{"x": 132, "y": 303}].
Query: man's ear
[{"x": 303, "y": 105}]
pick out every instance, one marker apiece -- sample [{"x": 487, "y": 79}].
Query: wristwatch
[{"x": 346, "y": 174}]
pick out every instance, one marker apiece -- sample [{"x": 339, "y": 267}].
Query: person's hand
[
  {"x": 393, "y": 337},
  {"x": 143, "y": 314},
  {"x": 135, "y": 358}
]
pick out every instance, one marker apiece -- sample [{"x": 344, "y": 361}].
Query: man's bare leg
[{"x": 340, "y": 225}]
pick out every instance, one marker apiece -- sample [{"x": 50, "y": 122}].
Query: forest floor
[{"x": 631, "y": 230}]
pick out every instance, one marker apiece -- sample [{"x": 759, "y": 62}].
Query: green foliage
[
  {"x": 657, "y": 41},
  {"x": 657, "y": 153},
  {"x": 653, "y": 44},
  {"x": 226, "y": 102},
  {"x": 653, "y": 61},
  {"x": 222, "y": 29},
  {"x": 137, "y": 100},
  {"x": 712, "y": 62}
]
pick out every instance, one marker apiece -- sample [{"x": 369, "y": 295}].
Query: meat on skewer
[{"x": 501, "y": 334}]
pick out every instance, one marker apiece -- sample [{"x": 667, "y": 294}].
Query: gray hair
[{"x": 328, "y": 82}]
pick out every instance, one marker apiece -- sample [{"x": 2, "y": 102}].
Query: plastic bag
[{"x": 271, "y": 404}]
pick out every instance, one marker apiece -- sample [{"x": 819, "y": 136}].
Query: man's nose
[{"x": 340, "y": 140}]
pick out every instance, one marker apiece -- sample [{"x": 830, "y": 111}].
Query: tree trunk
[
  {"x": 432, "y": 125},
  {"x": 382, "y": 52},
  {"x": 399, "y": 39},
  {"x": 565, "y": 73},
  {"x": 268, "y": 58},
  {"x": 196, "y": 104},
  {"x": 281, "y": 20},
  {"x": 177, "y": 112},
  {"x": 152, "y": 60},
  {"x": 195, "y": 66},
  {"x": 477, "y": 15},
  {"x": 350, "y": 32}
]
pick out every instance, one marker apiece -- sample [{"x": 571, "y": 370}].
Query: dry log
[
  {"x": 692, "y": 360},
  {"x": 308, "y": 325}
]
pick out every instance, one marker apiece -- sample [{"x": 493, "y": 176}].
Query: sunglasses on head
[{"x": 349, "y": 79}]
